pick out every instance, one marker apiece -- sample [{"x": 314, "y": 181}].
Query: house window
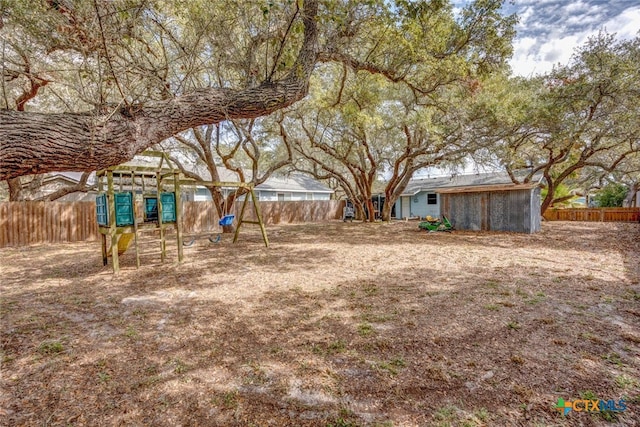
[
  {"x": 432, "y": 199},
  {"x": 281, "y": 197}
]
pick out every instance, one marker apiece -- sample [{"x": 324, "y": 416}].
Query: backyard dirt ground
[{"x": 336, "y": 324}]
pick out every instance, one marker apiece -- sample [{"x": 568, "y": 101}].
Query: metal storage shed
[{"x": 514, "y": 207}]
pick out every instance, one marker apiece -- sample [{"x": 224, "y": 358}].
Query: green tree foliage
[
  {"x": 612, "y": 195},
  {"x": 403, "y": 107},
  {"x": 123, "y": 75}
]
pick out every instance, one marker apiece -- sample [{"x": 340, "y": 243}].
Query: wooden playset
[{"x": 158, "y": 187}]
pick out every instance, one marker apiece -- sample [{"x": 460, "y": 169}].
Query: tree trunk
[
  {"x": 630, "y": 199},
  {"x": 548, "y": 199},
  {"x": 224, "y": 206},
  {"x": 35, "y": 143},
  {"x": 15, "y": 189},
  {"x": 389, "y": 201},
  {"x": 360, "y": 214},
  {"x": 370, "y": 209},
  {"x": 385, "y": 213},
  {"x": 218, "y": 200}
]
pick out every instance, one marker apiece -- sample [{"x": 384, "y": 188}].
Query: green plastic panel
[
  {"x": 168, "y": 208},
  {"x": 124, "y": 209},
  {"x": 168, "y": 201},
  {"x": 102, "y": 210}
]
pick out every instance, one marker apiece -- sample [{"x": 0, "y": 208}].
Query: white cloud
[
  {"x": 551, "y": 30},
  {"x": 577, "y": 6},
  {"x": 626, "y": 25},
  {"x": 525, "y": 15},
  {"x": 542, "y": 56}
]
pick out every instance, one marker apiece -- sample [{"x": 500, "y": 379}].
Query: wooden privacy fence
[
  {"x": 28, "y": 223},
  {"x": 202, "y": 216},
  {"x": 593, "y": 214}
]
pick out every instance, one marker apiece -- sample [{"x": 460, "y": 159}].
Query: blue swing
[
  {"x": 222, "y": 222},
  {"x": 225, "y": 220},
  {"x": 228, "y": 218}
]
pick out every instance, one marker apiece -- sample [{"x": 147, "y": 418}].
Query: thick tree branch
[
  {"x": 81, "y": 186},
  {"x": 32, "y": 143}
]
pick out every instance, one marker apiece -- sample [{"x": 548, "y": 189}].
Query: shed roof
[
  {"x": 483, "y": 188},
  {"x": 440, "y": 184}
]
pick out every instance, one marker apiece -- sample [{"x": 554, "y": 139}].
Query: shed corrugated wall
[{"x": 515, "y": 210}]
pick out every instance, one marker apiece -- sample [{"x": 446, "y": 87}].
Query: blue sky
[{"x": 550, "y": 30}]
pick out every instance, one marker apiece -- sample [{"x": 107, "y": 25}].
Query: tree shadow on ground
[{"x": 431, "y": 339}]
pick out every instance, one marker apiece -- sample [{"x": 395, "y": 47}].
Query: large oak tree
[
  {"x": 372, "y": 132},
  {"x": 251, "y": 150},
  {"x": 123, "y": 75}
]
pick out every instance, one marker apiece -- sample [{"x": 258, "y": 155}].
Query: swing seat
[{"x": 226, "y": 220}]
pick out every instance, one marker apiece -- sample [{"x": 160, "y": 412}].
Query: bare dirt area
[{"x": 334, "y": 325}]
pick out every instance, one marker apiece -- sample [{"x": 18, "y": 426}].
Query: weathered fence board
[
  {"x": 28, "y": 223},
  {"x": 594, "y": 214}
]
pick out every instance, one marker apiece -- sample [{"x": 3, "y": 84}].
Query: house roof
[
  {"x": 147, "y": 163},
  {"x": 70, "y": 177},
  {"x": 294, "y": 183},
  {"x": 469, "y": 182}
]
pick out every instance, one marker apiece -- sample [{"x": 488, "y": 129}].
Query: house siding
[
  {"x": 296, "y": 197},
  {"x": 268, "y": 196},
  {"x": 202, "y": 194},
  {"x": 403, "y": 207},
  {"x": 416, "y": 205}
]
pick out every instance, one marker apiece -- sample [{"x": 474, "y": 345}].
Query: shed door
[{"x": 405, "y": 207}]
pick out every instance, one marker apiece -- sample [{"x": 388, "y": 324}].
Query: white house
[{"x": 291, "y": 187}]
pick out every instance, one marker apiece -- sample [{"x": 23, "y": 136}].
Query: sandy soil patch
[{"x": 334, "y": 325}]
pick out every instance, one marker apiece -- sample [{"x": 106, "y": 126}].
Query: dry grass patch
[{"x": 335, "y": 325}]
